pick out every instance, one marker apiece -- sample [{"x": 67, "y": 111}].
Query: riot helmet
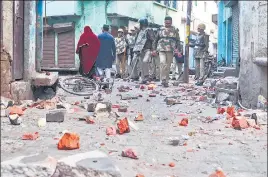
[{"x": 143, "y": 22}]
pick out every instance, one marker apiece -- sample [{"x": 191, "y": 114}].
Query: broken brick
[
  {"x": 110, "y": 131},
  {"x": 231, "y": 111},
  {"x": 116, "y": 106},
  {"x": 69, "y": 141},
  {"x": 56, "y": 115},
  {"x": 239, "y": 123},
  {"x": 90, "y": 120},
  {"x": 122, "y": 109},
  {"x": 184, "y": 122},
  {"x": 152, "y": 95},
  {"x": 129, "y": 153},
  {"x": 251, "y": 122},
  {"x": 139, "y": 117},
  {"x": 218, "y": 173},
  {"x": 15, "y": 110},
  {"x": 123, "y": 126},
  {"x": 171, "y": 101},
  {"x": 172, "y": 164},
  {"x": 220, "y": 110},
  {"x": 140, "y": 175},
  {"x": 30, "y": 136}
]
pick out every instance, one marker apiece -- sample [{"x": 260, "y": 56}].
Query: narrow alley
[{"x": 183, "y": 119}]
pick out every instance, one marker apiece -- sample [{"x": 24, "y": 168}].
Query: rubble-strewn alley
[{"x": 168, "y": 132}]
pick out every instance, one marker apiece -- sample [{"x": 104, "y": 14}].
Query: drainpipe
[{"x": 39, "y": 34}]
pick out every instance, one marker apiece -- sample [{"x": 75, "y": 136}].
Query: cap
[
  {"x": 120, "y": 30},
  {"x": 105, "y": 26},
  {"x": 201, "y": 26}
]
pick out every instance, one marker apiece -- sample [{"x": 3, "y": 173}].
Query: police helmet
[{"x": 143, "y": 22}]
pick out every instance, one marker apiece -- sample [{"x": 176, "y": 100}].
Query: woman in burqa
[{"x": 88, "y": 48}]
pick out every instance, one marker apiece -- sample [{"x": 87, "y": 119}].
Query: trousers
[
  {"x": 199, "y": 68},
  {"x": 121, "y": 64},
  {"x": 140, "y": 64},
  {"x": 166, "y": 59},
  {"x": 177, "y": 67}
]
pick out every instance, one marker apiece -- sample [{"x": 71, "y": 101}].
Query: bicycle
[{"x": 82, "y": 85}]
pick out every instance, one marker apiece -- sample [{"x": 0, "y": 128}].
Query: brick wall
[{"x": 5, "y": 74}]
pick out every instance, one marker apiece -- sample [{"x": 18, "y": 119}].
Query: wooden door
[
  {"x": 18, "y": 47},
  {"x": 48, "y": 60},
  {"x": 66, "y": 49}
]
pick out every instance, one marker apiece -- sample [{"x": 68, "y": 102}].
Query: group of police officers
[{"x": 150, "y": 52}]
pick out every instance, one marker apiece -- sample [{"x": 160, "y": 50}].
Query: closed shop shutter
[
  {"x": 235, "y": 31},
  {"x": 48, "y": 50},
  {"x": 66, "y": 49}
]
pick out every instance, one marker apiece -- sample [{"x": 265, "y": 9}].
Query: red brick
[{"x": 240, "y": 123}]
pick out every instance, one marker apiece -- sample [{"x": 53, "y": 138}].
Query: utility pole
[{"x": 186, "y": 58}]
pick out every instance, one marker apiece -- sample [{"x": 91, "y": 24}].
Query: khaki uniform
[
  {"x": 130, "y": 45},
  {"x": 167, "y": 40},
  {"x": 200, "y": 54},
  {"x": 142, "y": 53},
  {"x": 120, "y": 44}
]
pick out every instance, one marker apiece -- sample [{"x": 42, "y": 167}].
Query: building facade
[
  {"x": 125, "y": 14},
  {"x": 21, "y": 49},
  {"x": 77, "y": 14},
  {"x": 228, "y": 33},
  {"x": 253, "y": 51},
  {"x": 202, "y": 12}
]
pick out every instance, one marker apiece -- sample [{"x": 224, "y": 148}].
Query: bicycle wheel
[{"x": 78, "y": 85}]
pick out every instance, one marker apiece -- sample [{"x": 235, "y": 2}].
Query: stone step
[{"x": 92, "y": 163}]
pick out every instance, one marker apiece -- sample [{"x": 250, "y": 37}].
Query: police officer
[
  {"x": 120, "y": 43},
  {"x": 142, "y": 51},
  {"x": 155, "y": 63},
  {"x": 200, "y": 53},
  {"x": 130, "y": 40},
  {"x": 167, "y": 44}
]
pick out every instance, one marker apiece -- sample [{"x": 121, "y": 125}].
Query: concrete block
[
  {"x": 28, "y": 166},
  {"x": 227, "y": 83},
  {"x": 56, "y": 115},
  {"x": 41, "y": 79},
  {"x": 103, "y": 107},
  {"x": 231, "y": 72},
  {"x": 21, "y": 90},
  {"x": 90, "y": 107},
  {"x": 226, "y": 95},
  {"x": 93, "y": 163}
]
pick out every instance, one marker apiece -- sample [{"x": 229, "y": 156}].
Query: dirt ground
[{"x": 240, "y": 153}]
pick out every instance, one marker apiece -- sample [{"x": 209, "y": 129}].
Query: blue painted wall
[{"x": 224, "y": 33}]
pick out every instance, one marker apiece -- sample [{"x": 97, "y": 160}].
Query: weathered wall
[
  {"x": 29, "y": 39},
  {"x": 7, "y": 48},
  {"x": 253, "y": 43}
]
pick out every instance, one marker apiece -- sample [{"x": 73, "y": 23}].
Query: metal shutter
[
  {"x": 48, "y": 49},
  {"x": 66, "y": 49},
  {"x": 235, "y": 31}
]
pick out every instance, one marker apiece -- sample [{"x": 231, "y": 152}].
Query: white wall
[{"x": 56, "y": 8}]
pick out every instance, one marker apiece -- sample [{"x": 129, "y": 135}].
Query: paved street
[{"x": 202, "y": 146}]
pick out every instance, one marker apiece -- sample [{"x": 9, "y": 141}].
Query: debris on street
[
  {"x": 69, "y": 141},
  {"x": 130, "y": 153},
  {"x": 123, "y": 126},
  {"x": 30, "y": 136},
  {"x": 110, "y": 131},
  {"x": 139, "y": 117},
  {"x": 184, "y": 122}
]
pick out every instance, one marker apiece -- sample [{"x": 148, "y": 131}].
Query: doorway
[{"x": 18, "y": 43}]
